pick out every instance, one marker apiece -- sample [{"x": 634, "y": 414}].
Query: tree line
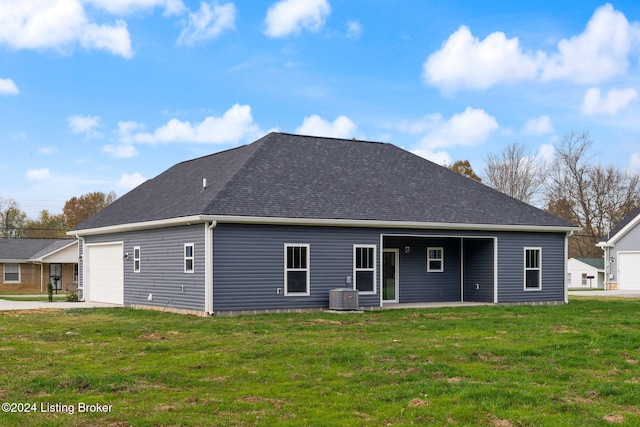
[
  {"x": 14, "y": 223},
  {"x": 573, "y": 186}
]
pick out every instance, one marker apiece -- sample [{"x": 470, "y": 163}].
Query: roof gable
[
  {"x": 28, "y": 249},
  {"x": 597, "y": 263},
  {"x": 623, "y": 227},
  {"x": 291, "y": 176}
]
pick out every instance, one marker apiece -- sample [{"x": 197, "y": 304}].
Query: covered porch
[{"x": 432, "y": 269}]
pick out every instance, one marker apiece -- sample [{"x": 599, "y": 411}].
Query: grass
[{"x": 576, "y": 364}]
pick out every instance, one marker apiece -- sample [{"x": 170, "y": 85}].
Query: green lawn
[{"x": 576, "y": 364}]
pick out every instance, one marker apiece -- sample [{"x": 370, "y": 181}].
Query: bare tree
[
  {"x": 515, "y": 171},
  {"x": 592, "y": 196}
]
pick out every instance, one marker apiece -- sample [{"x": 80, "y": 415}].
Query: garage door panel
[
  {"x": 105, "y": 275},
  {"x": 629, "y": 271}
]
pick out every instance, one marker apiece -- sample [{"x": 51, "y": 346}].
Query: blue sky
[{"x": 98, "y": 95}]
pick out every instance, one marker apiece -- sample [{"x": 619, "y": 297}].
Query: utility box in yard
[{"x": 343, "y": 299}]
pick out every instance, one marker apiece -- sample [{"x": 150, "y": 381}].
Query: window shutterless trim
[
  {"x": 136, "y": 259},
  {"x": 362, "y": 263},
  {"x": 297, "y": 263},
  {"x": 5, "y": 272},
  {"x": 533, "y": 262},
  {"x": 439, "y": 259},
  {"x": 189, "y": 259}
]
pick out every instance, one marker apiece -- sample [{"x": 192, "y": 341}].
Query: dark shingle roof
[
  {"x": 291, "y": 176},
  {"x": 27, "y": 249}
]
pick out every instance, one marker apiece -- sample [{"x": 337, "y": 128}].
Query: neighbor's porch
[{"x": 417, "y": 269}]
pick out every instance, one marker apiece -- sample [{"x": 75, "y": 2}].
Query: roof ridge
[{"x": 260, "y": 144}]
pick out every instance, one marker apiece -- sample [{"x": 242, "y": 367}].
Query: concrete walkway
[
  {"x": 6, "y": 305},
  {"x": 599, "y": 294}
]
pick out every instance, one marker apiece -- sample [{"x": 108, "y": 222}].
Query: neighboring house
[
  {"x": 586, "y": 272},
  {"x": 277, "y": 224},
  {"x": 622, "y": 253},
  {"x": 29, "y": 264}
]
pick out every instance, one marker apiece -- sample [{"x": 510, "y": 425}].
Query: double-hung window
[
  {"x": 296, "y": 269},
  {"x": 435, "y": 260},
  {"x": 189, "y": 258},
  {"x": 11, "y": 273},
  {"x": 364, "y": 266},
  {"x": 532, "y": 269},
  {"x": 136, "y": 259}
]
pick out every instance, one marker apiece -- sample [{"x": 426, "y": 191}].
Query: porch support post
[
  {"x": 495, "y": 270},
  {"x": 566, "y": 252},
  {"x": 461, "y": 269}
]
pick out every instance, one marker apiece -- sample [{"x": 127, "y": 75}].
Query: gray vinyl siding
[
  {"x": 162, "y": 266},
  {"x": 416, "y": 283},
  {"x": 511, "y": 267},
  {"x": 630, "y": 242},
  {"x": 248, "y": 265},
  {"x": 478, "y": 270}
]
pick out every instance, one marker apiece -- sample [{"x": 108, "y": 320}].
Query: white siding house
[
  {"x": 585, "y": 273},
  {"x": 622, "y": 254}
]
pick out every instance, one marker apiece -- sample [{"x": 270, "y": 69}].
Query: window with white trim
[
  {"x": 11, "y": 273},
  {"x": 435, "y": 260},
  {"x": 364, "y": 267},
  {"x": 532, "y": 269},
  {"x": 189, "y": 258},
  {"x": 296, "y": 269},
  {"x": 136, "y": 259}
]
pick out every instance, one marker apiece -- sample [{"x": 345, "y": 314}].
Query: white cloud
[
  {"x": 546, "y": 152},
  {"x": 466, "y": 62},
  {"x": 208, "y": 22},
  {"x": 538, "y": 126},
  {"x": 292, "y": 16},
  {"x": 439, "y": 157},
  {"x": 8, "y": 87},
  {"x": 38, "y": 174},
  {"x": 341, "y": 127},
  {"x": 235, "y": 125},
  {"x": 124, "y": 7},
  {"x": 634, "y": 161},
  {"x": 600, "y": 52},
  {"x": 615, "y": 101},
  {"x": 354, "y": 29},
  {"x": 59, "y": 24},
  {"x": 47, "y": 151},
  {"x": 129, "y": 181},
  {"x": 122, "y": 151},
  {"x": 84, "y": 124},
  {"x": 471, "y": 127}
]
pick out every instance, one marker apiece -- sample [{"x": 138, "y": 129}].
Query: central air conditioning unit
[{"x": 343, "y": 299}]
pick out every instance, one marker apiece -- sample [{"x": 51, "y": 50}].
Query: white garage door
[
  {"x": 629, "y": 271},
  {"x": 105, "y": 273}
]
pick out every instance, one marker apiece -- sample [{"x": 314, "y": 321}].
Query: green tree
[
  {"x": 47, "y": 226},
  {"x": 12, "y": 219}
]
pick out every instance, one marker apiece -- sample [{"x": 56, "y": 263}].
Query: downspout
[
  {"x": 566, "y": 266},
  {"x": 81, "y": 273},
  {"x": 208, "y": 266}
]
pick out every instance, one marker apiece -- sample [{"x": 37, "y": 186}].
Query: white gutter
[{"x": 318, "y": 222}]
